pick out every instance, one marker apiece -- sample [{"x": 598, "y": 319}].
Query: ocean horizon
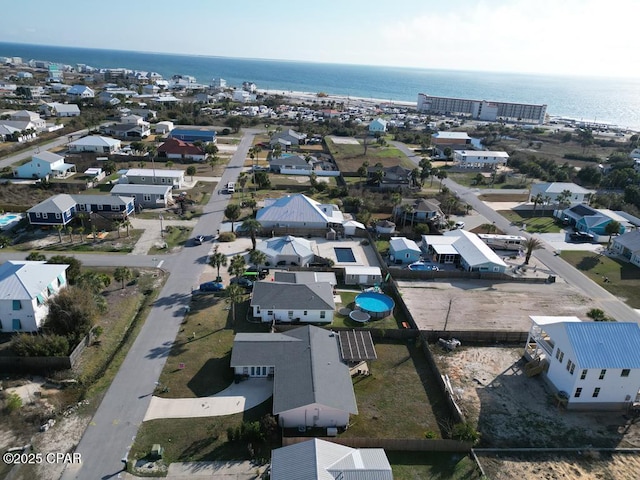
[{"x": 614, "y": 101}]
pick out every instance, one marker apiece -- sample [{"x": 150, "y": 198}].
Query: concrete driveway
[
  {"x": 560, "y": 241},
  {"x": 237, "y": 398}
]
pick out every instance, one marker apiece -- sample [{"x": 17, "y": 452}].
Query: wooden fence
[
  {"x": 17, "y": 364},
  {"x": 392, "y": 444}
]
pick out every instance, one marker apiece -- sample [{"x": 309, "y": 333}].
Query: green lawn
[
  {"x": 534, "y": 224},
  {"x": 624, "y": 278},
  {"x": 173, "y": 236},
  {"x": 432, "y": 466}
]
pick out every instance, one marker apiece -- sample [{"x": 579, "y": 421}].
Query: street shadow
[
  {"x": 166, "y": 349},
  {"x": 588, "y": 263},
  {"x": 170, "y": 301}
]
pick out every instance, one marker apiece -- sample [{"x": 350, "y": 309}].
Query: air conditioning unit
[{"x": 332, "y": 432}]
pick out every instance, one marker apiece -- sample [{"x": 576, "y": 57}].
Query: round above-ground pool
[{"x": 378, "y": 305}]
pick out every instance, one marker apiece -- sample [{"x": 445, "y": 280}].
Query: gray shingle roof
[
  {"x": 307, "y": 365},
  {"x": 293, "y": 296}
]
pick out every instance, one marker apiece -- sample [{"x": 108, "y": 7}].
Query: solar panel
[{"x": 357, "y": 345}]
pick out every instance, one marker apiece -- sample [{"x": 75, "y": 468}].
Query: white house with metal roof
[
  {"x": 552, "y": 190},
  {"x": 627, "y": 246},
  {"x": 299, "y": 211},
  {"x": 312, "y": 386},
  {"x": 24, "y": 289},
  {"x": 462, "y": 248},
  {"x": 293, "y": 302},
  {"x": 96, "y": 144},
  {"x": 154, "y": 176},
  {"x": 379, "y": 125},
  {"x": 480, "y": 159},
  {"x": 317, "y": 459},
  {"x": 596, "y": 364},
  {"x": 288, "y": 250}
]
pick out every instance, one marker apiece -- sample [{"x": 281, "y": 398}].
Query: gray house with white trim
[
  {"x": 311, "y": 384},
  {"x": 145, "y": 196},
  {"x": 293, "y": 302}
]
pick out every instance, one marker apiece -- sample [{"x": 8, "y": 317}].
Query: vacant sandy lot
[
  {"x": 512, "y": 410},
  {"x": 473, "y": 305}
]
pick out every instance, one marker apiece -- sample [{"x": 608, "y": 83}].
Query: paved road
[
  {"x": 115, "y": 424},
  {"x": 28, "y": 153},
  {"x": 613, "y": 306}
]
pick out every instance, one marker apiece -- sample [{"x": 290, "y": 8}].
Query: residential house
[
  {"x": 316, "y": 459},
  {"x": 395, "y": 176},
  {"x": 175, "y": 149},
  {"x": 627, "y": 246},
  {"x": 9, "y": 133},
  {"x": 80, "y": 92},
  {"x": 25, "y": 288},
  {"x": 385, "y": 226},
  {"x": 287, "y": 250},
  {"x": 130, "y": 126},
  {"x": 241, "y": 96},
  {"x": 154, "y": 176},
  {"x": 293, "y": 302},
  {"x": 194, "y": 135},
  {"x": 145, "y": 196},
  {"x": 464, "y": 249},
  {"x": 315, "y": 390},
  {"x": 379, "y": 125},
  {"x": 32, "y": 119},
  {"x": 60, "y": 110},
  {"x": 595, "y": 364},
  {"x": 161, "y": 128},
  {"x": 61, "y": 209},
  {"x": 591, "y": 220},
  {"x": 110, "y": 98},
  {"x": 96, "y": 144},
  {"x": 290, "y": 164},
  {"x": 419, "y": 210},
  {"x": 361, "y": 275},
  {"x": 299, "y": 211},
  {"x": 450, "y": 139},
  {"x": 288, "y": 137},
  {"x": 403, "y": 251},
  {"x": 551, "y": 191},
  {"x": 45, "y": 165},
  {"x": 481, "y": 159}
]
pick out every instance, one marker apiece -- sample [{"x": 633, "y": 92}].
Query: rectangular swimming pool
[{"x": 344, "y": 255}]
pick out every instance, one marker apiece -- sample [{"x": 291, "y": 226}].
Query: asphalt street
[{"x": 115, "y": 424}]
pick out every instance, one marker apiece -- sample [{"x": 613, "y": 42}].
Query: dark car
[
  {"x": 581, "y": 237},
  {"x": 243, "y": 282},
  {"x": 211, "y": 287}
]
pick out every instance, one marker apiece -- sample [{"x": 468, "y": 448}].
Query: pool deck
[{"x": 364, "y": 254}]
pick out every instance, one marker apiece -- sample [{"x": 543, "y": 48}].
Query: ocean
[{"x": 591, "y": 99}]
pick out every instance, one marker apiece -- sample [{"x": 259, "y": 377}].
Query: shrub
[
  {"x": 597, "y": 315},
  {"x": 226, "y": 237},
  {"x": 13, "y": 402},
  {"x": 465, "y": 433},
  {"x": 26, "y": 345}
]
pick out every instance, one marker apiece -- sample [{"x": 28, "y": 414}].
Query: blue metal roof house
[
  {"x": 595, "y": 364},
  {"x": 193, "y": 135}
]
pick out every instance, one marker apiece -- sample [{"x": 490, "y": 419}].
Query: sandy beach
[{"x": 310, "y": 97}]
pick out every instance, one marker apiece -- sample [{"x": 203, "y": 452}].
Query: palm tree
[
  {"x": 537, "y": 200},
  {"x": 441, "y": 176},
  {"x": 70, "y": 232},
  {"x": 612, "y": 228},
  {"x": 232, "y": 212},
  {"x": 235, "y": 295},
  {"x": 252, "y": 226},
  {"x": 447, "y": 153},
  {"x": 126, "y": 223},
  {"x": 362, "y": 172},
  {"x": 81, "y": 232},
  {"x": 217, "y": 260},
  {"x": 378, "y": 176},
  {"x": 122, "y": 274},
  {"x": 563, "y": 199},
  {"x": 236, "y": 267},
  {"x": 257, "y": 258},
  {"x": 407, "y": 210},
  {"x": 277, "y": 151},
  {"x": 530, "y": 245},
  {"x": 59, "y": 229}
]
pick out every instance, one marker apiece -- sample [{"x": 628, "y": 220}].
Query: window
[
  {"x": 270, "y": 313},
  {"x": 290, "y": 313},
  {"x": 578, "y": 392},
  {"x": 625, "y": 372},
  {"x": 50, "y": 289},
  {"x": 596, "y": 392},
  {"x": 115, "y": 208},
  {"x": 323, "y": 314},
  {"x": 17, "y": 305},
  {"x": 557, "y": 354},
  {"x": 583, "y": 375},
  {"x": 146, "y": 197},
  {"x": 305, "y": 313},
  {"x": 142, "y": 179},
  {"x": 100, "y": 207},
  {"x": 603, "y": 372},
  {"x": 37, "y": 214},
  {"x": 571, "y": 367}
]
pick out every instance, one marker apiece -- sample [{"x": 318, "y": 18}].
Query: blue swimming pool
[
  {"x": 9, "y": 218},
  {"x": 423, "y": 266},
  {"x": 378, "y": 305},
  {"x": 344, "y": 255}
]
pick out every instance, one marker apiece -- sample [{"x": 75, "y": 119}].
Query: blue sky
[{"x": 578, "y": 37}]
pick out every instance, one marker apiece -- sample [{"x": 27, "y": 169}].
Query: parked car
[
  {"x": 262, "y": 273},
  {"x": 199, "y": 240},
  {"x": 211, "y": 287},
  {"x": 243, "y": 282},
  {"x": 460, "y": 225},
  {"x": 581, "y": 237}
]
